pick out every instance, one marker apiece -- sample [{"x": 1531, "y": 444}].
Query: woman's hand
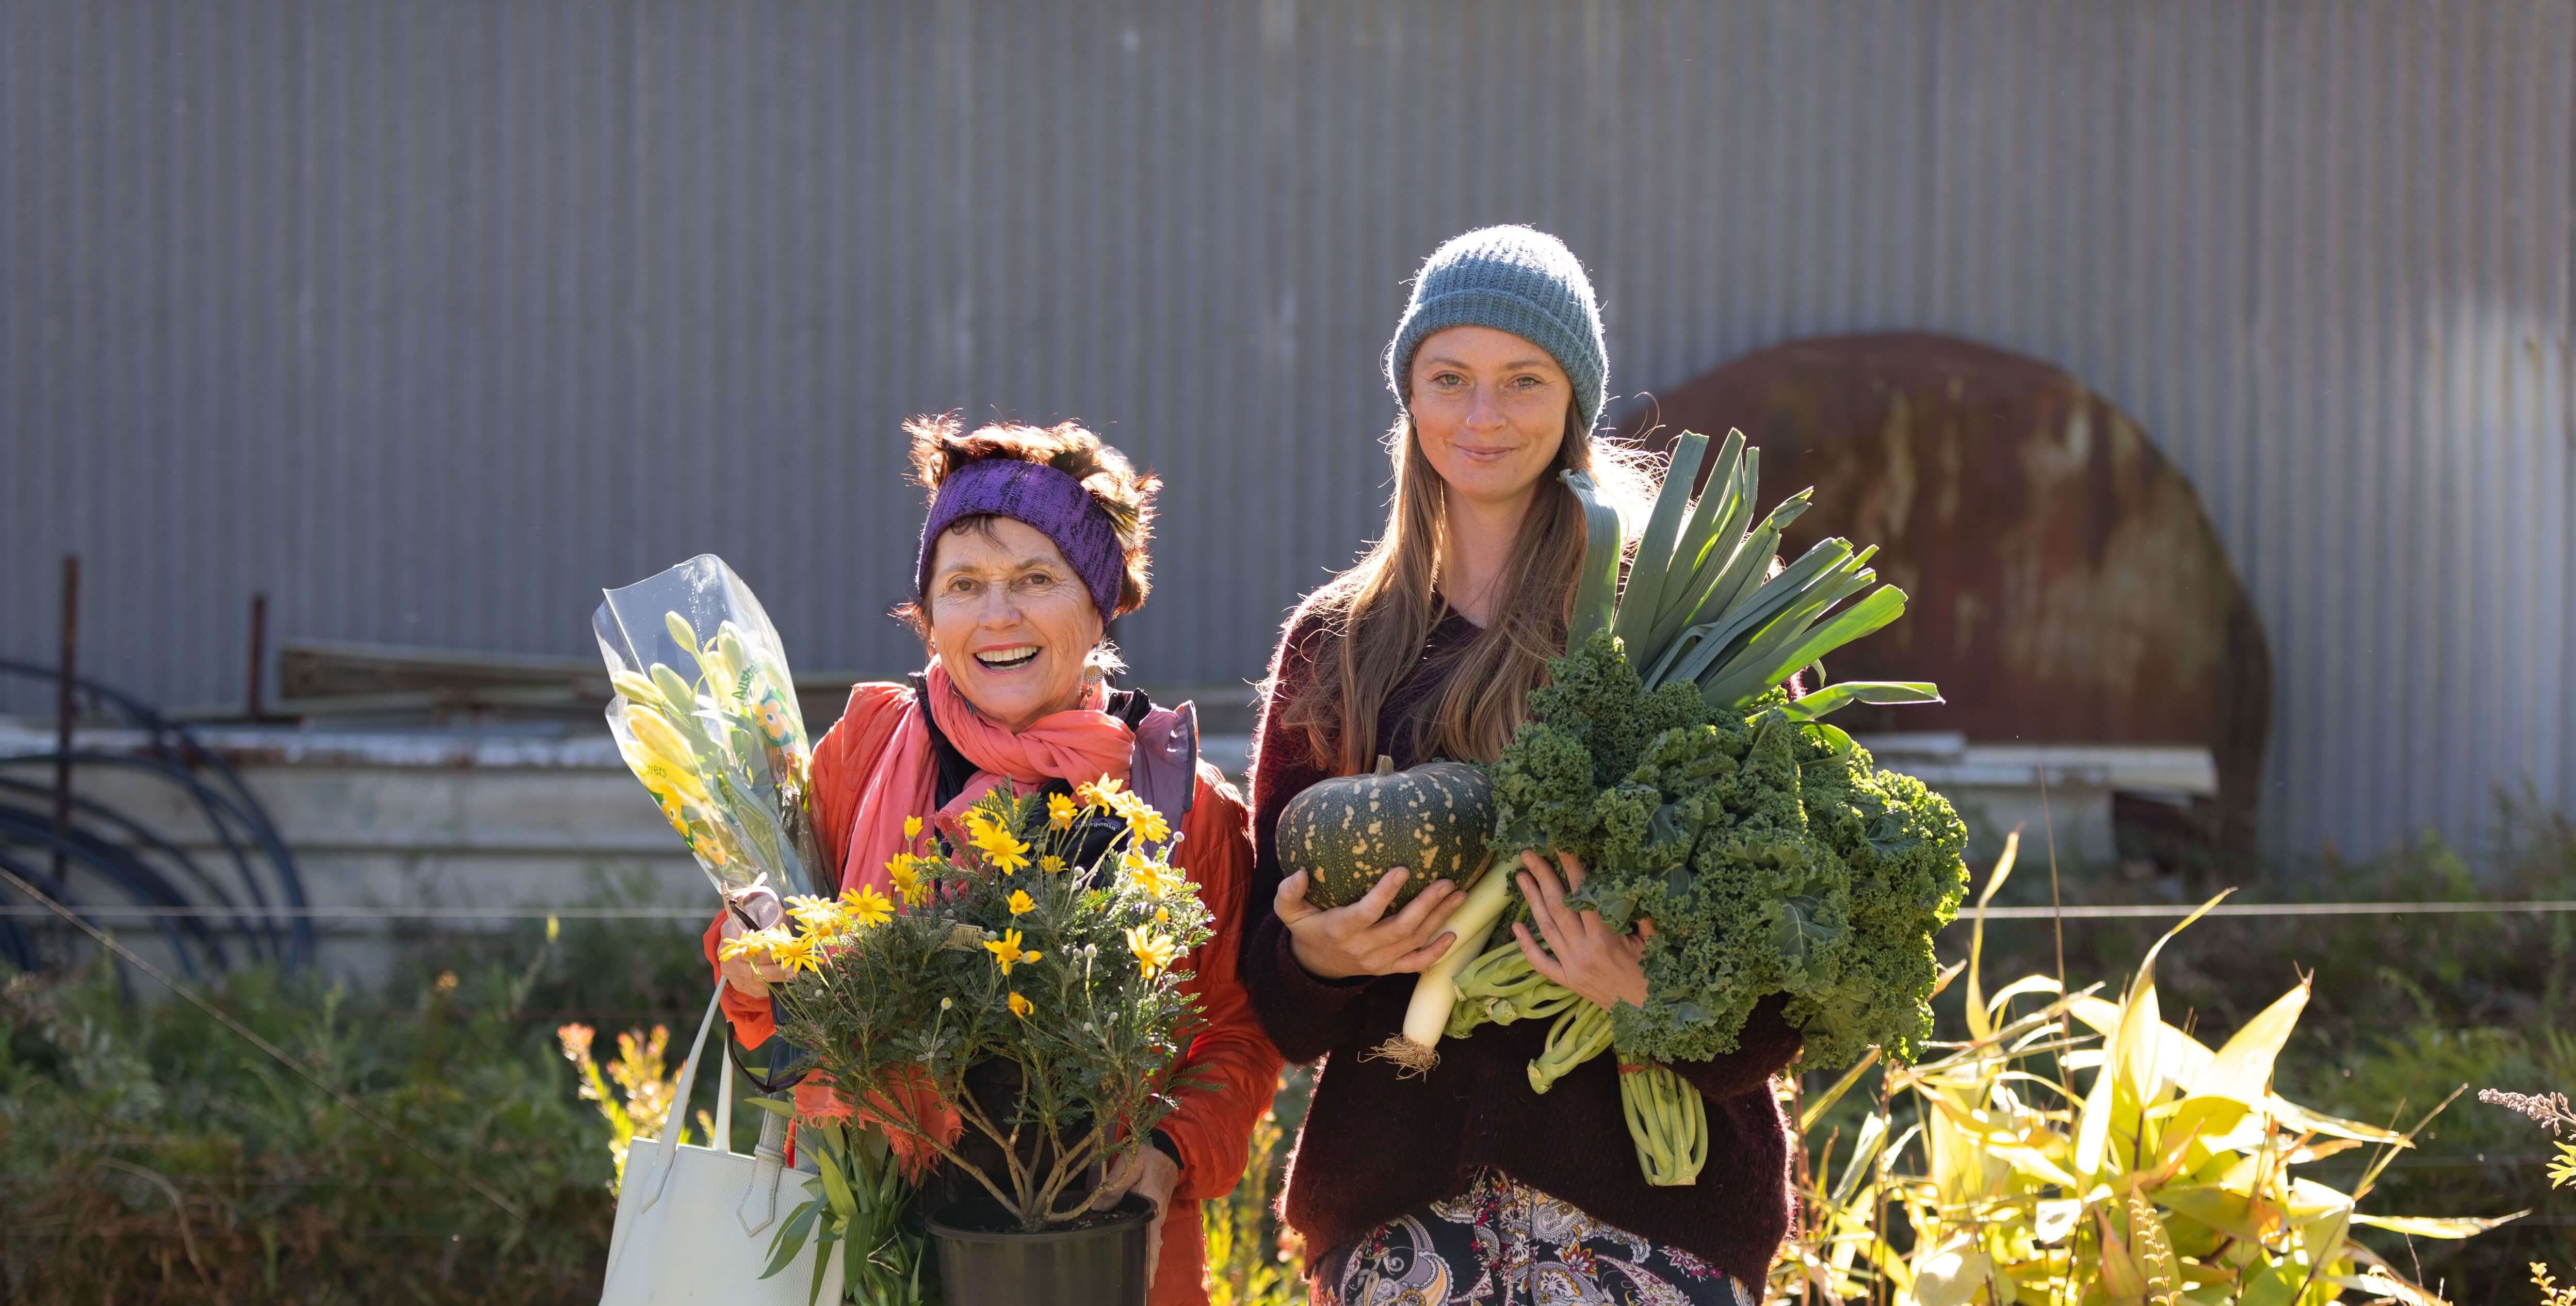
[
  {"x": 752, "y": 974},
  {"x": 1360, "y": 939},
  {"x": 1595, "y": 961},
  {"x": 1149, "y": 1174}
]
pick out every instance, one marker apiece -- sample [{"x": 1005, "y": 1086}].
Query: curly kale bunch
[
  {"x": 1770, "y": 853},
  {"x": 1901, "y": 842},
  {"x": 1587, "y": 728}
]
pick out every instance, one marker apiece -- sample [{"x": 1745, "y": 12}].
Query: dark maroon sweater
[{"x": 1376, "y": 1146}]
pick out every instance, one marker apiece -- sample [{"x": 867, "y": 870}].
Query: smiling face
[
  {"x": 1489, "y": 409},
  {"x": 1010, "y": 621}
]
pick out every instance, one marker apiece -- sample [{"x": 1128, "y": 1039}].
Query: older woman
[
  {"x": 1035, "y": 538},
  {"x": 1462, "y": 1184}
]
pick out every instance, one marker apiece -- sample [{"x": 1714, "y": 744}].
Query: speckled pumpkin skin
[{"x": 1434, "y": 820}]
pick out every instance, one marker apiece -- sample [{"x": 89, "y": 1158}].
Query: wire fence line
[
  {"x": 511, "y": 912},
  {"x": 522, "y": 911},
  {"x": 2176, "y": 911}
]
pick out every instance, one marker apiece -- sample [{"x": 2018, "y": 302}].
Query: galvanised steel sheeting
[{"x": 430, "y": 319}]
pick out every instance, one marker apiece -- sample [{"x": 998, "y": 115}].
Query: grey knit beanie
[{"x": 1515, "y": 279}]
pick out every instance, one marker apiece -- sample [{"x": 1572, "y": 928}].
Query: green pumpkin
[{"x": 1434, "y": 820}]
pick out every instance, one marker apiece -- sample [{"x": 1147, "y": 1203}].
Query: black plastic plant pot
[{"x": 1100, "y": 1264}]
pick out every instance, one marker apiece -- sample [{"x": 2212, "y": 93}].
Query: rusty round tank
[{"x": 2065, "y": 583}]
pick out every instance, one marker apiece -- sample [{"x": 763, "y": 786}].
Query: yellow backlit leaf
[
  {"x": 2093, "y": 1123},
  {"x": 1954, "y": 1276},
  {"x": 2234, "y": 1214},
  {"x": 2377, "y": 1287},
  {"x": 2425, "y": 1226},
  {"x": 2031, "y": 1162},
  {"x": 1980, "y": 1024},
  {"x": 2055, "y": 1218},
  {"x": 2121, "y": 1279},
  {"x": 2203, "y": 1120},
  {"x": 2242, "y": 1069},
  {"x": 2299, "y": 1119}
]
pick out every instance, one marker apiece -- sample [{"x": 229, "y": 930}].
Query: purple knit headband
[{"x": 1045, "y": 498}]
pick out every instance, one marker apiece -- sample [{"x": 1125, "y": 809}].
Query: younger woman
[{"x": 1463, "y": 1184}]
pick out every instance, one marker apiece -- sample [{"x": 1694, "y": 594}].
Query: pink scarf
[{"x": 1078, "y": 745}]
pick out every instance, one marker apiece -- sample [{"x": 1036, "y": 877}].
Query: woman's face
[
  {"x": 1489, "y": 409},
  {"x": 1010, "y": 621}
]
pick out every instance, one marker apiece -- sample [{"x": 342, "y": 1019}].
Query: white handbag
[{"x": 695, "y": 1224}]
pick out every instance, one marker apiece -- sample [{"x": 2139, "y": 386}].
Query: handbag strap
[
  {"x": 669, "y": 1142},
  {"x": 723, "y": 1140}
]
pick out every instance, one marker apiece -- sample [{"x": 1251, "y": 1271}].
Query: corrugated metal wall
[{"x": 431, "y": 318}]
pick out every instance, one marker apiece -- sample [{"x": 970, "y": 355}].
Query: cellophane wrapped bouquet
[
  {"x": 705, "y": 714},
  {"x": 1011, "y": 935}
]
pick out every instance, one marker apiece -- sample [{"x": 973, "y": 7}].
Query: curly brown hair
[{"x": 941, "y": 444}]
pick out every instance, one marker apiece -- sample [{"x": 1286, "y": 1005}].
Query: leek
[{"x": 1435, "y": 991}]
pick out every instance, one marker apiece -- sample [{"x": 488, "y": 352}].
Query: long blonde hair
[{"x": 1377, "y": 615}]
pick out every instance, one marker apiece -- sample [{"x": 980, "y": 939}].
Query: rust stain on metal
[{"x": 2066, "y": 584}]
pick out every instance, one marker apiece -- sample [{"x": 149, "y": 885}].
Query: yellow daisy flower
[
  {"x": 1051, "y": 863},
  {"x": 1021, "y": 902},
  {"x": 865, "y": 907},
  {"x": 1001, "y": 851},
  {"x": 1148, "y": 825},
  {"x": 1006, "y": 951},
  {"x": 1021, "y": 1007},
  {"x": 820, "y": 915},
  {"x": 797, "y": 954},
  {"x": 1060, "y": 810},
  {"x": 1156, "y": 879},
  {"x": 1102, "y": 793},
  {"x": 1153, "y": 951},
  {"x": 911, "y": 828},
  {"x": 768, "y": 940},
  {"x": 904, "y": 872},
  {"x": 1010, "y": 857}
]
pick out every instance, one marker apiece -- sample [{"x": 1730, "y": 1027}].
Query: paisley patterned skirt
[{"x": 1504, "y": 1243}]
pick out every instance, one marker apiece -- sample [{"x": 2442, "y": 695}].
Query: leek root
[{"x": 1435, "y": 993}]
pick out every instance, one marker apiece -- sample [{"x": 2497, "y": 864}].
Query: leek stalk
[{"x": 1435, "y": 991}]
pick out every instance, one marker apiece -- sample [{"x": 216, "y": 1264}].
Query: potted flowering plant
[{"x": 1010, "y": 1010}]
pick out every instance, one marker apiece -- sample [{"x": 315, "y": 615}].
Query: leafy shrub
[
  {"x": 150, "y": 1156},
  {"x": 1999, "y": 1172},
  {"x": 2406, "y": 1009},
  {"x": 642, "y": 1103}
]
